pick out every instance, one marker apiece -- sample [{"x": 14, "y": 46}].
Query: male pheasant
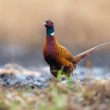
[{"x": 57, "y": 56}]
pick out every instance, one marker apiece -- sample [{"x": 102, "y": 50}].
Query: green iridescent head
[{"x": 49, "y": 28}]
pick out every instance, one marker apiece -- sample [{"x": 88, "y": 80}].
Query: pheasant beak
[{"x": 44, "y": 24}]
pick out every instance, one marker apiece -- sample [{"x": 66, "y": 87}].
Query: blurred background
[{"x": 79, "y": 25}]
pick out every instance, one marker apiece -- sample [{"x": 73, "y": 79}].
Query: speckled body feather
[{"x": 57, "y": 56}]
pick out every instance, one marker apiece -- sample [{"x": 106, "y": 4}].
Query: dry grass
[{"x": 95, "y": 96}]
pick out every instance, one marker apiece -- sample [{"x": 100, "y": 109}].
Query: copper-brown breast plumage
[
  {"x": 56, "y": 51},
  {"x": 57, "y": 56}
]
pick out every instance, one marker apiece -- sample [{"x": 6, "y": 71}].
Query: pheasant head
[{"x": 49, "y": 28}]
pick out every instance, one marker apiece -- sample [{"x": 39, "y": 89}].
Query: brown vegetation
[{"x": 80, "y": 22}]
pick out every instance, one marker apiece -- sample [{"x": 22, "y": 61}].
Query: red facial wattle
[{"x": 49, "y": 23}]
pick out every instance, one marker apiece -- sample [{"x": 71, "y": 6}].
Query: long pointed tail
[{"x": 86, "y": 53}]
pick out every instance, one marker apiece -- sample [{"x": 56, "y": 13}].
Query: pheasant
[{"x": 58, "y": 57}]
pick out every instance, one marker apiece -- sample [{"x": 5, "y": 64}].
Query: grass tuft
[{"x": 92, "y": 96}]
